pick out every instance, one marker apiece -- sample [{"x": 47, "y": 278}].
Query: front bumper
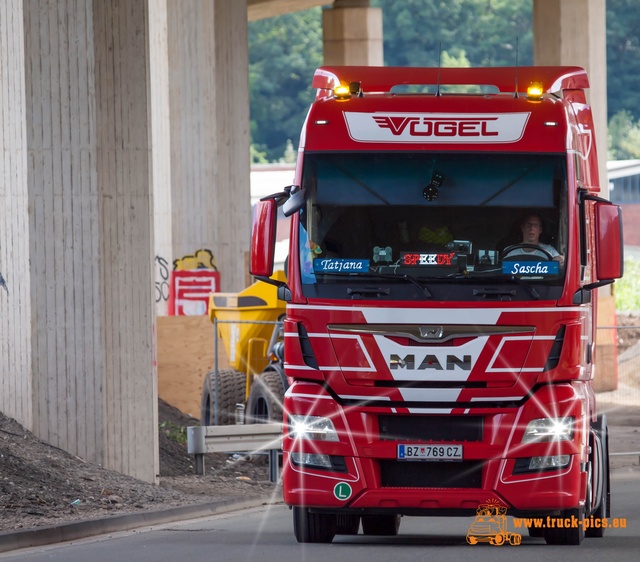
[{"x": 370, "y": 478}]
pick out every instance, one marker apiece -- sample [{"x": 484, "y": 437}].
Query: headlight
[
  {"x": 312, "y": 427},
  {"x": 541, "y": 464},
  {"x": 549, "y": 429},
  {"x": 311, "y": 460},
  {"x": 554, "y": 461}
]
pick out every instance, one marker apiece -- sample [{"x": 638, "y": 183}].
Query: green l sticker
[{"x": 342, "y": 491}]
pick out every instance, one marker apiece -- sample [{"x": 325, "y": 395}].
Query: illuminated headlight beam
[
  {"x": 316, "y": 428},
  {"x": 549, "y": 429}
]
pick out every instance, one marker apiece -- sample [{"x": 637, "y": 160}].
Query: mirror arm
[
  {"x": 597, "y": 284},
  {"x": 274, "y": 282},
  {"x": 281, "y": 197},
  {"x": 586, "y": 196}
]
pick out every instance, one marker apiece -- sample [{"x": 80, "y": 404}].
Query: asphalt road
[{"x": 265, "y": 534}]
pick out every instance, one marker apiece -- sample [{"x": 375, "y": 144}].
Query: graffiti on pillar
[
  {"x": 162, "y": 286},
  {"x": 193, "y": 279},
  {"x": 202, "y": 259},
  {"x": 3, "y": 284}
]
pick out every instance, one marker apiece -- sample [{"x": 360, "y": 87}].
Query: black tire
[
  {"x": 231, "y": 391},
  {"x": 265, "y": 399},
  {"x": 604, "y": 506},
  {"x": 313, "y": 527},
  {"x": 379, "y": 525},
  {"x": 347, "y": 524},
  {"x": 572, "y": 535}
]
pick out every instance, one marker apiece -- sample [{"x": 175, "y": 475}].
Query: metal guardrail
[
  {"x": 250, "y": 438},
  {"x": 630, "y": 453}
]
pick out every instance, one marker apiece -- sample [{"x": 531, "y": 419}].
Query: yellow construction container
[{"x": 245, "y": 340}]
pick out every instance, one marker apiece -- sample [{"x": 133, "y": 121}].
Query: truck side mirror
[
  {"x": 263, "y": 238},
  {"x": 295, "y": 202},
  {"x": 609, "y": 245}
]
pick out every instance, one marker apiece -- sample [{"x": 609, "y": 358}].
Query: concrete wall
[
  {"x": 16, "y": 310},
  {"x": 200, "y": 111},
  {"x": 76, "y": 159}
]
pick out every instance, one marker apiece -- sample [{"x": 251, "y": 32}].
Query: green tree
[
  {"x": 627, "y": 289},
  {"x": 487, "y": 32},
  {"x": 623, "y": 137},
  {"x": 623, "y": 57},
  {"x": 258, "y": 156},
  {"x": 289, "y": 156},
  {"x": 283, "y": 54}
]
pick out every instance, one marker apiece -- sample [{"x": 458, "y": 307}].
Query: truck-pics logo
[
  {"x": 436, "y": 127},
  {"x": 491, "y": 525}
]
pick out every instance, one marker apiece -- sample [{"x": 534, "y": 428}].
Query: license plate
[{"x": 442, "y": 452}]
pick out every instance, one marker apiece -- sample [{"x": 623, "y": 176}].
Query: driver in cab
[{"x": 531, "y": 227}]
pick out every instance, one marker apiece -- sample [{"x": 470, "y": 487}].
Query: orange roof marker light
[
  {"x": 342, "y": 92},
  {"x": 535, "y": 91}
]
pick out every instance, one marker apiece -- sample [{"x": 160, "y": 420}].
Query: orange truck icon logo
[{"x": 491, "y": 525}]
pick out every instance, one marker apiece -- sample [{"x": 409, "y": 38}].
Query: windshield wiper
[
  {"x": 370, "y": 274},
  {"x": 527, "y": 287}
]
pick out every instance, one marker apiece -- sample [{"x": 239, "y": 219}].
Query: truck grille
[
  {"x": 466, "y": 474},
  {"x": 431, "y": 428}
]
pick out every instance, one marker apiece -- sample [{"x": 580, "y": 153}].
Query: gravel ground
[{"x": 42, "y": 485}]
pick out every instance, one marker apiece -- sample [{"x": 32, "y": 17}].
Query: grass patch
[
  {"x": 174, "y": 432},
  {"x": 627, "y": 289}
]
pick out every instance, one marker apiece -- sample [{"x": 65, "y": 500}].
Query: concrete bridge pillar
[
  {"x": 76, "y": 328},
  {"x": 573, "y": 32},
  {"x": 352, "y": 34},
  {"x": 200, "y": 93}
]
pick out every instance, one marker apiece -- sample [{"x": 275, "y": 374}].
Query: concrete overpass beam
[{"x": 352, "y": 34}]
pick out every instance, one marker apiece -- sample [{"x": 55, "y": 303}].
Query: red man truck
[{"x": 448, "y": 240}]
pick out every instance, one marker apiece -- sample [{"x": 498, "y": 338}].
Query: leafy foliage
[
  {"x": 486, "y": 32},
  {"x": 627, "y": 289},
  {"x": 623, "y": 57},
  {"x": 174, "y": 432},
  {"x": 284, "y": 52},
  {"x": 623, "y": 137}
]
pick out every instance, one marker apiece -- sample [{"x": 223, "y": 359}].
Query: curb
[{"x": 14, "y": 540}]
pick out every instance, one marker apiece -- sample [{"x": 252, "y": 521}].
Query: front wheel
[
  {"x": 310, "y": 527},
  {"x": 601, "y": 442},
  {"x": 566, "y": 529}
]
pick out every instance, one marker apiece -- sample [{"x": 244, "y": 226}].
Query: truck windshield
[{"x": 438, "y": 220}]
